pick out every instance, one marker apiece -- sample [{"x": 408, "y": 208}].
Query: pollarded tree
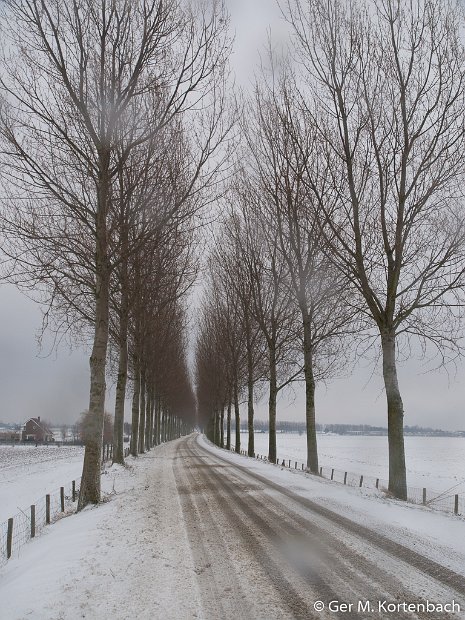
[{"x": 386, "y": 95}]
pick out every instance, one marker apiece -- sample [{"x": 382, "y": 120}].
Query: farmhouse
[{"x": 35, "y": 430}]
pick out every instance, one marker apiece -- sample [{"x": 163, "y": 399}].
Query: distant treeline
[{"x": 286, "y": 426}]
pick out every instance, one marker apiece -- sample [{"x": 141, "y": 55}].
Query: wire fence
[
  {"x": 27, "y": 523},
  {"x": 445, "y": 501}
]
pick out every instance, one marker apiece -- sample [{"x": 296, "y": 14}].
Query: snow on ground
[
  {"x": 28, "y": 473},
  {"x": 130, "y": 557},
  {"x": 437, "y": 463},
  {"x": 439, "y": 536}
]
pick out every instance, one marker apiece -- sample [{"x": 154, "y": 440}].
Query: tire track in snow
[
  {"x": 259, "y": 538},
  {"x": 220, "y": 591},
  {"x": 366, "y": 584},
  {"x": 438, "y": 572},
  {"x": 368, "y": 581}
]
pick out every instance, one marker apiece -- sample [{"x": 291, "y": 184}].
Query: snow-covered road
[
  {"x": 270, "y": 550},
  {"x": 195, "y": 532}
]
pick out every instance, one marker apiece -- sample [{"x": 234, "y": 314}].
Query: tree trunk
[
  {"x": 158, "y": 422},
  {"x": 152, "y": 419},
  {"x": 216, "y": 429},
  {"x": 237, "y": 420},
  {"x": 135, "y": 409},
  {"x": 228, "y": 427},
  {"x": 148, "y": 420},
  {"x": 90, "y": 481},
  {"x": 250, "y": 393},
  {"x": 142, "y": 414},
  {"x": 222, "y": 427},
  {"x": 118, "y": 427},
  {"x": 397, "y": 472},
  {"x": 272, "y": 407},
  {"x": 312, "y": 449}
]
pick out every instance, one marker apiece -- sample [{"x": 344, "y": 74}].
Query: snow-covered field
[
  {"x": 437, "y": 463},
  {"x": 27, "y": 473}
]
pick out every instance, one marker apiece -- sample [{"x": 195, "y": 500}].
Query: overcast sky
[{"x": 57, "y": 388}]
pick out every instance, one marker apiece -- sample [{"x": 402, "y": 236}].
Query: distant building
[{"x": 35, "y": 430}]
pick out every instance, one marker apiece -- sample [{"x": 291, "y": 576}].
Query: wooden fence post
[
  {"x": 361, "y": 481},
  {"x": 321, "y": 471},
  {"x": 302, "y": 466},
  {"x": 296, "y": 465},
  {"x": 47, "y": 509},
  {"x": 377, "y": 483},
  {"x": 345, "y": 477},
  {"x": 33, "y": 520},
  {"x": 62, "y": 498},
  {"x": 9, "y": 538},
  {"x": 73, "y": 489},
  {"x": 332, "y": 474},
  {"x": 424, "y": 497},
  {"x": 456, "y": 505}
]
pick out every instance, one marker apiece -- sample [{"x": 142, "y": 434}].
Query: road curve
[{"x": 262, "y": 551}]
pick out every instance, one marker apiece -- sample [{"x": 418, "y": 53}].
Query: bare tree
[
  {"x": 270, "y": 304},
  {"x": 232, "y": 272},
  {"x": 162, "y": 273},
  {"x": 73, "y": 76},
  {"x": 386, "y": 94},
  {"x": 282, "y": 149}
]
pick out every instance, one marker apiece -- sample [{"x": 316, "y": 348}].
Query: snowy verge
[
  {"x": 437, "y": 535},
  {"x": 89, "y": 565}
]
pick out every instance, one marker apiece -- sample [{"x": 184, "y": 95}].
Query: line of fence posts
[
  {"x": 360, "y": 480},
  {"x": 107, "y": 454},
  {"x": 33, "y": 523}
]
